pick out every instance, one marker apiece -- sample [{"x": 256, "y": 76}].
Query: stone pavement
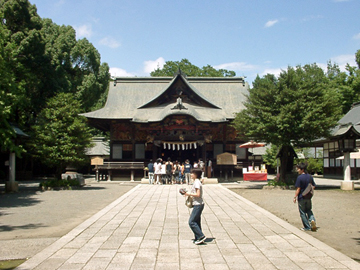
[{"x": 147, "y": 229}]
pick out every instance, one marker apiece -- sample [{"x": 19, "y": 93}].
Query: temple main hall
[{"x": 178, "y": 117}]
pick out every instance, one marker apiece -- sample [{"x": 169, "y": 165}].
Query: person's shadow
[{"x": 209, "y": 240}]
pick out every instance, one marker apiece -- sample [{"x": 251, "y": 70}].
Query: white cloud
[
  {"x": 150, "y": 65},
  {"x": 236, "y": 66},
  {"x": 119, "y": 72},
  {"x": 59, "y": 3},
  {"x": 357, "y": 36},
  {"x": 271, "y": 23},
  {"x": 343, "y": 60},
  {"x": 312, "y": 17},
  {"x": 110, "y": 42},
  {"x": 275, "y": 71},
  {"x": 83, "y": 31}
]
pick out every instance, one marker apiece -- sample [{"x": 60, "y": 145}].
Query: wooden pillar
[
  {"x": 154, "y": 151},
  {"x": 204, "y": 158}
]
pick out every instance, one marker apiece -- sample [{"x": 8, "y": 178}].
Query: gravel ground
[
  {"x": 336, "y": 212},
  {"x": 31, "y": 219}
]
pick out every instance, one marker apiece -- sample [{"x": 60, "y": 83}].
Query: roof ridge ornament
[
  {"x": 180, "y": 72},
  {"x": 179, "y": 105}
]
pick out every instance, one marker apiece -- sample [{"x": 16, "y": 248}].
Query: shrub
[{"x": 60, "y": 183}]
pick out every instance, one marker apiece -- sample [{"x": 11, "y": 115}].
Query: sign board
[
  {"x": 226, "y": 159},
  {"x": 97, "y": 161}
]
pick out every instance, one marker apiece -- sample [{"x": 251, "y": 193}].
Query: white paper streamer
[
  {"x": 195, "y": 146},
  {"x": 183, "y": 146},
  {"x": 169, "y": 146},
  {"x": 164, "y": 145}
]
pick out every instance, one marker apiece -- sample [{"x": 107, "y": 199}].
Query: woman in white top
[
  {"x": 157, "y": 167},
  {"x": 198, "y": 202}
]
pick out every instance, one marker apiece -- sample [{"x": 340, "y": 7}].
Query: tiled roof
[
  {"x": 351, "y": 120},
  {"x": 129, "y": 98}
]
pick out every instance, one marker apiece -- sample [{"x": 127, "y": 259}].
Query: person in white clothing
[
  {"x": 157, "y": 167},
  {"x": 198, "y": 206}
]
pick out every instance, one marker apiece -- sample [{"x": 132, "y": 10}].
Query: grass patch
[
  {"x": 275, "y": 183},
  {"x": 10, "y": 264}
]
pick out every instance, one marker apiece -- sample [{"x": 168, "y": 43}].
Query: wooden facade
[{"x": 181, "y": 118}]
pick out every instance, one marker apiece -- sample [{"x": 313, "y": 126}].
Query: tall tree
[
  {"x": 62, "y": 135},
  {"x": 7, "y": 85},
  {"x": 171, "y": 67},
  {"x": 353, "y": 80},
  {"x": 91, "y": 78},
  {"x": 299, "y": 106},
  {"x": 25, "y": 45},
  {"x": 75, "y": 66},
  {"x": 42, "y": 60}
]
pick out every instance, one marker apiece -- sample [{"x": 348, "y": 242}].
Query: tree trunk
[{"x": 283, "y": 163}]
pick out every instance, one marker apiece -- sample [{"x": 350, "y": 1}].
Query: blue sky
[{"x": 250, "y": 37}]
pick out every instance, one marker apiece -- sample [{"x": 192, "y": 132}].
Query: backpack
[{"x": 308, "y": 192}]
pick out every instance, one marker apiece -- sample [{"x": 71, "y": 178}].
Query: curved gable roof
[
  {"x": 179, "y": 87},
  {"x": 350, "y": 121},
  {"x": 150, "y": 99}
]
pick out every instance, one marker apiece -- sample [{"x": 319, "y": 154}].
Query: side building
[{"x": 179, "y": 117}]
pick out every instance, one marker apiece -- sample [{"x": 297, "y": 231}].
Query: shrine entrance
[{"x": 181, "y": 155}]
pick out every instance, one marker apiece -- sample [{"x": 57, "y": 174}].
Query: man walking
[
  {"x": 187, "y": 171},
  {"x": 151, "y": 172},
  {"x": 305, "y": 206}
]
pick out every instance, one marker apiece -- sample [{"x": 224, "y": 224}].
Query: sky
[{"x": 250, "y": 37}]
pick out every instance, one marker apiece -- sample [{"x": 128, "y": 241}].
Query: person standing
[
  {"x": 305, "y": 205},
  {"x": 182, "y": 175},
  {"x": 198, "y": 206},
  {"x": 151, "y": 172},
  {"x": 177, "y": 172},
  {"x": 201, "y": 165},
  {"x": 157, "y": 167},
  {"x": 210, "y": 169},
  {"x": 163, "y": 173},
  {"x": 169, "y": 171},
  {"x": 187, "y": 171}
]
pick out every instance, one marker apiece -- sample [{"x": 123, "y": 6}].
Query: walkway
[{"x": 147, "y": 229}]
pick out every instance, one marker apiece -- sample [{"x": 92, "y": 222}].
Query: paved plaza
[{"x": 147, "y": 228}]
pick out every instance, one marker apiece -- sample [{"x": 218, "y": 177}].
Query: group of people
[{"x": 167, "y": 172}]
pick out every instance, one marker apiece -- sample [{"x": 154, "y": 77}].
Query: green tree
[
  {"x": 62, "y": 135},
  {"x": 270, "y": 156},
  {"x": 353, "y": 82},
  {"x": 75, "y": 66},
  {"x": 46, "y": 59},
  {"x": 171, "y": 67},
  {"x": 91, "y": 78},
  {"x": 299, "y": 106},
  {"x": 7, "y": 85},
  {"x": 25, "y": 46}
]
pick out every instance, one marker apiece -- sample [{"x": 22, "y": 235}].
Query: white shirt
[
  {"x": 197, "y": 185},
  {"x": 157, "y": 167}
]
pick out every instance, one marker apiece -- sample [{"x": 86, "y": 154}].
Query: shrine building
[{"x": 178, "y": 117}]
